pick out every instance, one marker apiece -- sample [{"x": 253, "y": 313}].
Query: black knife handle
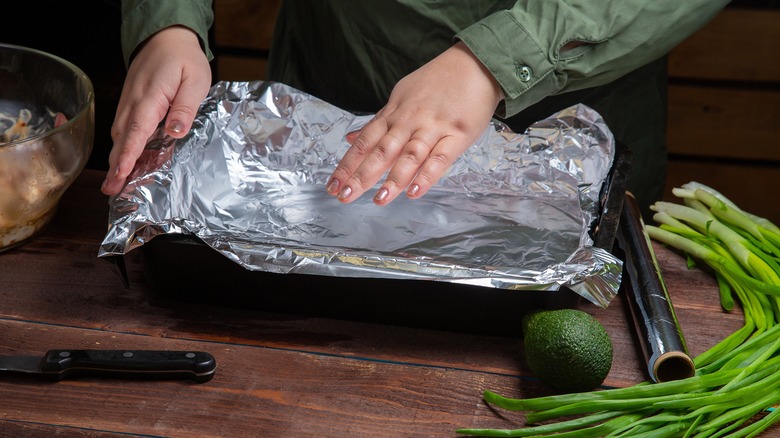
[{"x": 142, "y": 364}]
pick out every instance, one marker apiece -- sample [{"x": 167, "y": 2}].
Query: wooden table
[{"x": 278, "y": 374}]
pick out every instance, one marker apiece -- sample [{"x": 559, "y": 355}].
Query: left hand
[{"x": 432, "y": 116}]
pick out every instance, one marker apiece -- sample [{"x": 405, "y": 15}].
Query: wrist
[{"x": 480, "y": 71}]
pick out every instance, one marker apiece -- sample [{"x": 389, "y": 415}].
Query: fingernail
[
  {"x": 344, "y": 194},
  {"x": 413, "y": 190},
  {"x": 351, "y": 136},
  {"x": 333, "y": 186},
  {"x": 176, "y": 126},
  {"x": 110, "y": 175},
  {"x": 381, "y": 195}
]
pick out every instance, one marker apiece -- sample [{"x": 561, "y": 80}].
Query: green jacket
[{"x": 351, "y": 53}]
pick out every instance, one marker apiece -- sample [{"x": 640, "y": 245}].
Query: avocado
[{"x": 567, "y": 349}]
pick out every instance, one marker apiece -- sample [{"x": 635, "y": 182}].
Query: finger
[
  {"x": 411, "y": 159},
  {"x": 352, "y": 136},
  {"x": 360, "y": 147},
  {"x": 184, "y": 107},
  {"x": 376, "y": 163},
  {"x": 446, "y": 151},
  {"x": 118, "y": 173},
  {"x": 131, "y": 131}
]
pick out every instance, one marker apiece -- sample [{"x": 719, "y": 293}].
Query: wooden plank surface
[
  {"x": 724, "y": 122},
  {"x": 739, "y": 44},
  {"x": 278, "y": 374},
  {"x": 724, "y": 103},
  {"x": 238, "y": 68},
  {"x": 245, "y": 24}
]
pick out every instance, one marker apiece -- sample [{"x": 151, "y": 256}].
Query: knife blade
[{"x": 126, "y": 364}]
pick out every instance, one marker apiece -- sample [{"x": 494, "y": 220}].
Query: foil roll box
[{"x": 236, "y": 213}]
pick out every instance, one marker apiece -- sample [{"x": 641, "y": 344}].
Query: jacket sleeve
[
  {"x": 143, "y": 18},
  {"x": 523, "y": 47}
]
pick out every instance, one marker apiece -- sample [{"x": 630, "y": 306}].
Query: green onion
[{"x": 736, "y": 381}]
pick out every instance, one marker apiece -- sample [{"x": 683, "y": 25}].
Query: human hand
[
  {"x": 169, "y": 75},
  {"x": 432, "y": 116}
]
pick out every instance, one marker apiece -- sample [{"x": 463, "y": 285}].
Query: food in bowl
[
  {"x": 21, "y": 126},
  {"x": 46, "y": 136}
]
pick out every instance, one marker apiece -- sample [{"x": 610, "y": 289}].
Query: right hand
[{"x": 170, "y": 75}]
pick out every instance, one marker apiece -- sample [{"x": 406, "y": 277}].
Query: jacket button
[{"x": 523, "y": 72}]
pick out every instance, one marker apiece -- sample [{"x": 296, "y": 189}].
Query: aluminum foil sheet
[{"x": 514, "y": 212}]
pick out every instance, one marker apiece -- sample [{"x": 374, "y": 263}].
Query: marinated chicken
[{"x": 27, "y": 178}]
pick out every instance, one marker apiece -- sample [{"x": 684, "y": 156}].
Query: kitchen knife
[{"x": 139, "y": 364}]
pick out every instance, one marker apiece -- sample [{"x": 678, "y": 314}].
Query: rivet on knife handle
[{"x": 142, "y": 364}]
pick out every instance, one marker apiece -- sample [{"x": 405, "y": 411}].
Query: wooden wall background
[
  {"x": 241, "y": 36},
  {"x": 724, "y": 108},
  {"x": 724, "y": 95}
]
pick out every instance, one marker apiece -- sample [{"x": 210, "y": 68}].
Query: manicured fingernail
[
  {"x": 344, "y": 194},
  {"x": 176, "y": 126},
  {"x": 351, "y": 136},
  {"x": 413, "y": 190},
  {"x": 333, "y": 186},
  {"x": 381, "y": 195},
  {"x": 110, "y": 175}
]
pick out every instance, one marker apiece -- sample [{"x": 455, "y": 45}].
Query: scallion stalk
[{"x": 736, "y": 380}]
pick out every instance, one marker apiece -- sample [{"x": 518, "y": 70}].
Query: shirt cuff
[
  {"x": 521, "y": 66},
  {"x": 150, "y": 17}
]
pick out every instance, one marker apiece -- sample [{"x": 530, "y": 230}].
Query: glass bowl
[{"x": 47, "y": 129}]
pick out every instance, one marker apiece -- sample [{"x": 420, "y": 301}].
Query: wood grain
[
  {"x": 724, "y": 103},
  {"x": 241, "y": 68},
  {"x": 245, "y": 24},
  {"x": 740, "y": 44},
  {"x": 278, "y": 374},
  {"x": 726, "y": 123}
]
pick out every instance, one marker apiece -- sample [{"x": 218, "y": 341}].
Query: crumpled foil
[{"x": 516, "y": 211}]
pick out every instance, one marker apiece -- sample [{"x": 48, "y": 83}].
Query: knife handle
[{"x": 142, "y": 364}]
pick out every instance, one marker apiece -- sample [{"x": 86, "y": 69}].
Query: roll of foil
[
  {"x": 515, "y": 211},
  {"x": 659, "y": 332}
]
